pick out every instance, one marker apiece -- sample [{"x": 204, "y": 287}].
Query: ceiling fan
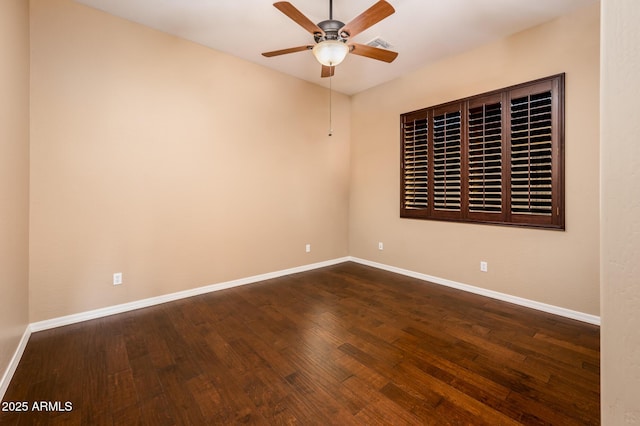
[{"x": 332, "y": 37}]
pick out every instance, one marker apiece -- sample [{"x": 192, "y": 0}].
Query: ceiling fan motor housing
[{"x": 331, "y": 28}]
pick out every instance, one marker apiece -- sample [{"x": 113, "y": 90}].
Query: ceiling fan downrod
[{"x": 331, "y": 28}]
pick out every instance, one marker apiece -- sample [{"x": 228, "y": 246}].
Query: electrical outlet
[
  {"x": 484, "y": 266},
  {"x": 117, "y": 278},
  {"x": 307, "y": 248},
  {"x": 380, "y": 246}
]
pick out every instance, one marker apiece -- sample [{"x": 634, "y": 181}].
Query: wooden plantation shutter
[
  {"x": 536, "y": 176},
  {"x": 447, "y": 161},
  {"x": 415, "y": 163},
  {"x": 485, "y": 157},
  {"x": 492, "y": 158}
]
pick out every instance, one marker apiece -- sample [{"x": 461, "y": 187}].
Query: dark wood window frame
[{"x": 494, "y": 158}]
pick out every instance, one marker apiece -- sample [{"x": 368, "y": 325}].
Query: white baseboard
[
  {"x": 112, "y": 310},
  {"x": 13, "y": 364},
  {"x": 117, "y": 309},
  {"x": 556, "y": 310},
  {"x": 125, "y": 307},
  {"x": 145, "y": 303}
]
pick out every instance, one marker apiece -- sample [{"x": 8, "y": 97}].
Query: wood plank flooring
[{"x": 347, "y": 344}]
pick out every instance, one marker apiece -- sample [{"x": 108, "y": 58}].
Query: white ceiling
[{"x": 422, "y": 31}]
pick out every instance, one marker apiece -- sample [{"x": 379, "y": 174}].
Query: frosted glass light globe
[{"x": 330, "y": 52}]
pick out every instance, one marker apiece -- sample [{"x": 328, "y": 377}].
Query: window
[{"x": 492, "y": 158}]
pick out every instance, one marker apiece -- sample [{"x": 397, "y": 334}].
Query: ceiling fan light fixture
[{"x": 330, "y": 52}]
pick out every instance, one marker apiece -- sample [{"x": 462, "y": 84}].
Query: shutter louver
[
  {"x": 415, "y": 165},
  {"x": 447, "y": 157},
  {"x": 485, "y": 158},
  {"x": 531, "y": 154}
]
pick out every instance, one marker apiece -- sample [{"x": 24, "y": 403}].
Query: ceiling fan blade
[
  {"x": 369, "y": 17},
  {"x": 373, "y": 52},
  {"x": 327, "y": 71},
  {"x": 297, "y": 16},
  {"x": 285, "y": 51}
]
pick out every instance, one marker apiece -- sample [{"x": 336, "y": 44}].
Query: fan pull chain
[{"x": 330, "y": 110}]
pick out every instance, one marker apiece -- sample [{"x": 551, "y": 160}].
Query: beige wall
[
  {"x": 133, "y": 131},
  {"x": 172, "y": 163},
  {"x": 133, "y": 166},
  {"x": 557, "y": 268},
  {"x": 620, "y": 201},
  {"x": 14, "y": 175}
]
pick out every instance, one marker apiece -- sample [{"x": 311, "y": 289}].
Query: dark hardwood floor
[{"x": 347, "y": 344}]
